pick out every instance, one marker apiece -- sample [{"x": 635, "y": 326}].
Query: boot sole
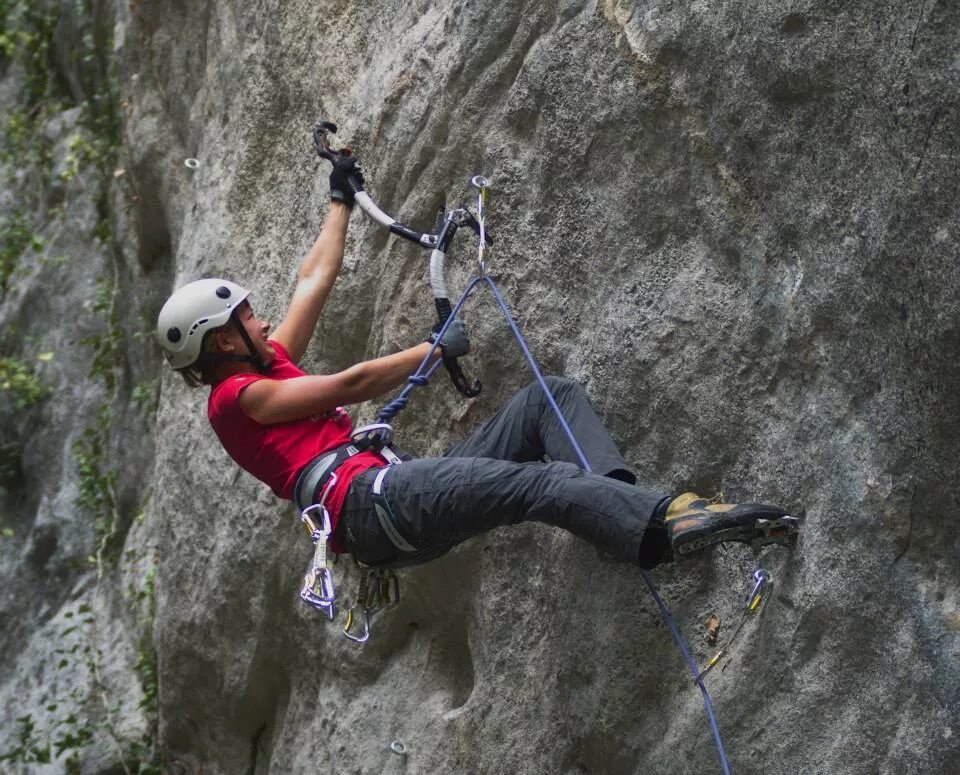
[{"x": 762, "y": 532}]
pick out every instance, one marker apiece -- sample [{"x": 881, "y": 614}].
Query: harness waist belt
[{"x": 317, "y": 472}]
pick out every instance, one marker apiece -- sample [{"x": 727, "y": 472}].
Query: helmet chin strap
[
  {"x": 258, "y": 363},
  {"x": 253, "y": 358}
]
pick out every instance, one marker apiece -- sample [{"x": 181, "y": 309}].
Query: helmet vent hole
[
  {"x": 174, "y": 335},
  {"x": 223, "y": 292}
]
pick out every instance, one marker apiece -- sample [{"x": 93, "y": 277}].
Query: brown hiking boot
[{"x": 694, "y": 523}]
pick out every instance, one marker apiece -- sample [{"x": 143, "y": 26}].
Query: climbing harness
[
  {"x": 379, "y": 587},
  {"x": 310, "y": 494}
]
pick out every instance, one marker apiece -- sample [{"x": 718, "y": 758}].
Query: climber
[{"x": 290, "y": 430}]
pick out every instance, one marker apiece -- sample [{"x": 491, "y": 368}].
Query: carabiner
[
  {"x": 318, "y": 591},
  {"x": 316, "y": 533},
  {"x": 364, "y": 619},
  {"x": 761, "y": 587},
  {"x": 480, "y": 183},
  {"x": 385, "y": 591},
  {"x": 762, "y": 584}
]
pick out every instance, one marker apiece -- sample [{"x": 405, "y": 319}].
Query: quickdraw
[
  {"x": 318, "y": 589},
  {"x": 379, "y": 589},
  {"x": 756, "y": 601}
]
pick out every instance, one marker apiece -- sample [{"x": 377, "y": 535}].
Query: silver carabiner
[
  {"x": 480, "y": 183},
  {"x": 318, "y": 591},
  {"x": 760, "y": 588},
  {"x": 327, "y": 593},
  {"x": 762, "y": 584},
  {"x": 323, "y": 531},
  {"x": 364, "y": 618}
]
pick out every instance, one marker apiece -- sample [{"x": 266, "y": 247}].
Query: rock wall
[{"x": 735, "y": 223}]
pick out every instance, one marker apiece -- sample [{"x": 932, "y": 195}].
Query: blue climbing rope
[
  {"x": 664, "y": 612},
  {"x": 422, "y": 375},
  {"x": 425, "y": 370}
]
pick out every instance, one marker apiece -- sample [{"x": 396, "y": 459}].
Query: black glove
[
  {"x": 346, "y": 173},
  {"x": 455, "y": 341}
]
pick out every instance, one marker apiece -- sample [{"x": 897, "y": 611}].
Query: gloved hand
[
  {"x": 344, "y": 168},
  {"x": 455, "y": 341}
]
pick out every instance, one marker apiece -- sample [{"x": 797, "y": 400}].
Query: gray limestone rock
[{"x": 735, "y": 223}]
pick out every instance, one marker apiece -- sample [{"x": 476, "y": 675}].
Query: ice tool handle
[
  {"x": 322, "y": 142},
  {"x": 448, "y": 224},
  {"x": 438, "y": 243}
]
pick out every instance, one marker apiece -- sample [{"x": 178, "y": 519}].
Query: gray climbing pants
[{"x": 519, "y": 466}]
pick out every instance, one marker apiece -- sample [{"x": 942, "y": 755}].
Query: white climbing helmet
[{"x": 190, "y": 312}]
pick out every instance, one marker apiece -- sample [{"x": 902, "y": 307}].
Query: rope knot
[{"x": 392, "y": 409}]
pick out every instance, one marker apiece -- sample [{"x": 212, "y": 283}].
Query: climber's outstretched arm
[
  {"x": 315, "y": 279},
  {"x": 273, "y": 401}
]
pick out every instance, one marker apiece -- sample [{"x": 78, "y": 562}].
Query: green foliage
[
  {"x": 62, "y": 740},
  {"x": 145, "y": 602},
  {"x": 27, "y": 40},
  {"x": 16, "y": 238},
  {"x": 96, "y": 480},
  {"x": 10, "y": 471},
  {"x": 31, "y": 749},
  {"x": 101, "y": 117},
  {"x": 77, "y": 718},
  {"x": 107, "y": 345},
  {"x": 145, "y": 396},
  {"x": 49, "y": 83},
  {"x": 22, "y": 142},
  {"x": 20, "y": 387},
  {"x": 95, "y": 475}
]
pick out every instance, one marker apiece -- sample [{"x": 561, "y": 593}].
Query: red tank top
[{"x": 276, "y": 453}]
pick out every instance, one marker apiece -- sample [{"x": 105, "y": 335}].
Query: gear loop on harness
[{"x": 318, "y": 588}]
